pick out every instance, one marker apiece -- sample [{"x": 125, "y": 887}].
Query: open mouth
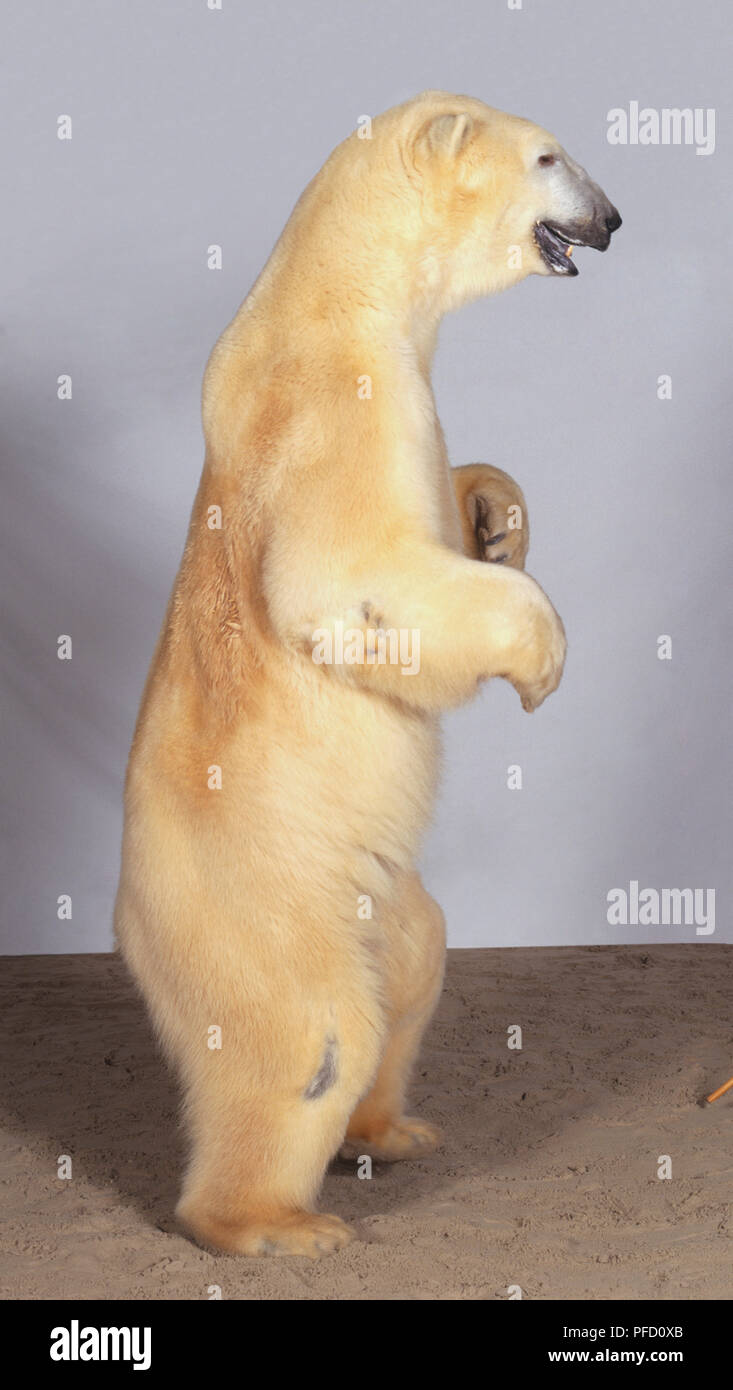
[{"x": 556, "y": 249}]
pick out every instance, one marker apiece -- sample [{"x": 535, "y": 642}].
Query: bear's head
[{"x": 488, "y": 198}]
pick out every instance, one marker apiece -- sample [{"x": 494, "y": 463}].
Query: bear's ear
[{"x": 448, "y": 134}]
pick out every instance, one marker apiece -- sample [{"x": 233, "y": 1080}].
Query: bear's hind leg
[
  {"x": 414, "y": 962},
  {"x": 256, "y": 1170},
  {"x": 264, "y": 1132}
]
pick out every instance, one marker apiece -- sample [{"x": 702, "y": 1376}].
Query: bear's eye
[{"x": 546, "y": 159}]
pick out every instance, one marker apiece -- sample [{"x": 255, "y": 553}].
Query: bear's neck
[{"x": 348, "y": 286}]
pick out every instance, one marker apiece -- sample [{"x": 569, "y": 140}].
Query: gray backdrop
[{"x": 193, "y": 127}]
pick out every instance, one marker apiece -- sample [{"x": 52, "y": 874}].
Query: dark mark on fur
[{"x": 326, "y": 1074}]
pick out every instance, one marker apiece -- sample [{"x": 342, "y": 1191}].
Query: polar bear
[{"x": 269, "y": 906}]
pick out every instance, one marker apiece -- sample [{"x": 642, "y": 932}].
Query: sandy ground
[{"x": 547, "y": 1177}]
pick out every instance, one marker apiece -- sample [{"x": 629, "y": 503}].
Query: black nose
[{"x": 613, "y": 222}]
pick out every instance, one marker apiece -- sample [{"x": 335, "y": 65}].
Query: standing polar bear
[{"x": 269, "y": 906}]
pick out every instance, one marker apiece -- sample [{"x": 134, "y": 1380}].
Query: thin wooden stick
[{"x": 720, "y": 1091}]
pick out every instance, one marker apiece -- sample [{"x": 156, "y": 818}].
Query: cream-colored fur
[{"x": 245, "y": 907}]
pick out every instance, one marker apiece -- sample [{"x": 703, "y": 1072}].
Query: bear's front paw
[
  {"x": 498, "y": 542},
  {"x": 541, "y": 655}
]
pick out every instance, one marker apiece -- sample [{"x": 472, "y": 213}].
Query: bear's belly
[
  {"x": 314, "y": 765},
  {"x": 349, "y": 768}
]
